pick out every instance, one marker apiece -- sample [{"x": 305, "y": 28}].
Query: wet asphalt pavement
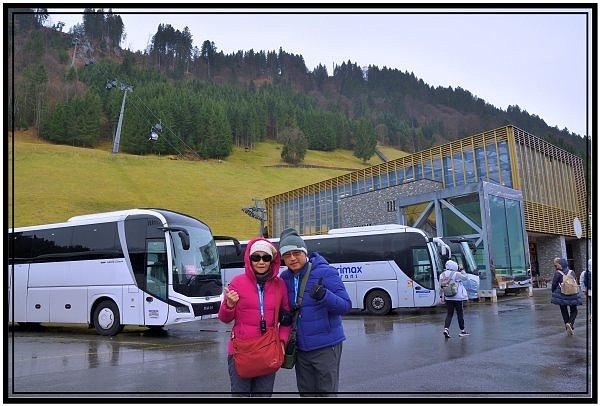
[{"x": 518, "y": 348}]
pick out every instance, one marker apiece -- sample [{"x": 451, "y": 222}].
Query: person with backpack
[
  {"x": 454, "y": 293},
  {"x": 562, "y": 293}
]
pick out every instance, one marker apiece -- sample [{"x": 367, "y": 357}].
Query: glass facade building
[{"x": 550, "y": 181}]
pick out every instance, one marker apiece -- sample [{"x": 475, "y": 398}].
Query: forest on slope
[{"x": 70, "y": 88}]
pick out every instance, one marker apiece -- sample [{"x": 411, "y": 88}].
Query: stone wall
[
  {"x": 581, "y": 254},
  {"x": 379, "y": 206},
  {"x": 549, "y": 248}
]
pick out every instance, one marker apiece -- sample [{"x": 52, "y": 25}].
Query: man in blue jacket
[{"x": 320, "y": 332}]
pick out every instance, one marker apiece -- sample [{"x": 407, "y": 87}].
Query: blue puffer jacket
[
  {"x": 319, "y": 322},
  {"x": 558, "y": 298}
]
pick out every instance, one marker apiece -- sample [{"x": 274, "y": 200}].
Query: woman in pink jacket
[{"x": 250, "y": 298}]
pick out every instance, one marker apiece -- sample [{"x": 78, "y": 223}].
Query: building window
[
  {"x": 391, "y": 206},
  {"x": 507, "y": 246}
]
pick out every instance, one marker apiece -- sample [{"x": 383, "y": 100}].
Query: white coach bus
[
  {"x": 383, "y": 267},
  {"x": 147, "y": 267}
]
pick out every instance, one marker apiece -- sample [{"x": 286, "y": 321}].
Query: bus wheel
[
  {"x": 106, "y": 318},
  {"x": 378, "y": 302}
]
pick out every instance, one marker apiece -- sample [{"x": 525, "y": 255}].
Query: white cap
[
  {"x": 451, "y": 265},
  {"x": 264, "y": 246}
]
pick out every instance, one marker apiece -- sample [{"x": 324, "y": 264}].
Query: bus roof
[
  {"x": 113, "y": 215},
  {"x": 349, "y": 231},
  {"x": 92, "y": 218},
  {"x": 371, "y": 229}
]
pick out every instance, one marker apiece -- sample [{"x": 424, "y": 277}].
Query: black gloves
[{"x": 318, "y": 290}]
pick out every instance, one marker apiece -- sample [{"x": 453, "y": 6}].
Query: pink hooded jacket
[{"x": 246, "y": 312}]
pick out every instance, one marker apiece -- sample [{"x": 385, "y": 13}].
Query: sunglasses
[
  {"x": 293, "y": 254},
  {"x": 256, "y": 258}
]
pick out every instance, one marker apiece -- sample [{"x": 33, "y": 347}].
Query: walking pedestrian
[
  {"x": 455, "y": 302},
  {"x": 583, "y": 284},
  {"x": 250, "y": 302},
  {"x": 319, "y": 329},
  {"x": 588, "y": 287},
  {"x": 568, "y": 303}
]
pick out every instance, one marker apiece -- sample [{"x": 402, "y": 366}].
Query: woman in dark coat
[{"x": 568, "y": 303}]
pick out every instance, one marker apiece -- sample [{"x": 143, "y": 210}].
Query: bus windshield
[{"x": 196, "y": 270}]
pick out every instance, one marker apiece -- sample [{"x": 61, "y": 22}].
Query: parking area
[{"x": 518, "y": 348}]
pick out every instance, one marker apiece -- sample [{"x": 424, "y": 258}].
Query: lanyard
[
  {"x": 261, "y": 300},
  {"x": 296, "y": 279}
]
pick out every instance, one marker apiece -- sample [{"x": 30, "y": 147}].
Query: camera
[{"x": 285, "y": 318}]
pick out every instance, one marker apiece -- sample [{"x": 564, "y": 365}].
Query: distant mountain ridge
[{"x": 403, "y": 110}]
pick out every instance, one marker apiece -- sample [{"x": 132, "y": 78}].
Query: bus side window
[
  {"x": 22, "y": 247},
  {"x": 328, "y": 245},
  {"x": 97, "y": 241},
  {"x": 233, "y": 259},
  {"x": 51, "y": 243}
]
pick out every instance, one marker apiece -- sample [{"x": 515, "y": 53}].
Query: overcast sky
[{"x": 534, "y": 58}]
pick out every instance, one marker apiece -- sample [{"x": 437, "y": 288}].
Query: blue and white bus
[
  {"x": 383, "y": 267},
  {"x": 147, "y": 267}
]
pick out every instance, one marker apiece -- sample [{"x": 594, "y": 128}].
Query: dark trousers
[
  {"x": 318, "y": 371},
  {"x": 261, "y": 386},
  {"x": 451, "y": 306},
  {"x": 568, "y": 318},
  {"x": 588, "y": 303}
]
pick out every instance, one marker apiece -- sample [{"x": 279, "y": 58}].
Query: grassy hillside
[{"x": 55, "y": 182}]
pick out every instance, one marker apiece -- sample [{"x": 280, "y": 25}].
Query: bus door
[
  {"x": 423, "y": 278},
  {"x": 156, "y": 310}
]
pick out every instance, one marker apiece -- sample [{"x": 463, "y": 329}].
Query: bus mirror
[
  {"x": 185, "y": 240},
  {"x": 183, "y": 234}
]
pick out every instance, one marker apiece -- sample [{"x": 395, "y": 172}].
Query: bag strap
[
  {"x": 299, "y": 298},
  {"x": 303, "y": 285}
]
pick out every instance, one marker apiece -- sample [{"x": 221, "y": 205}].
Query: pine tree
[
  {"x": 295, "y": 145},
  {"x": 366, "y": 140}
]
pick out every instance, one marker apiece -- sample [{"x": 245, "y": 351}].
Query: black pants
[
  {"x": 452, "y": 305},
  {"x": 568, "y": 318}
]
